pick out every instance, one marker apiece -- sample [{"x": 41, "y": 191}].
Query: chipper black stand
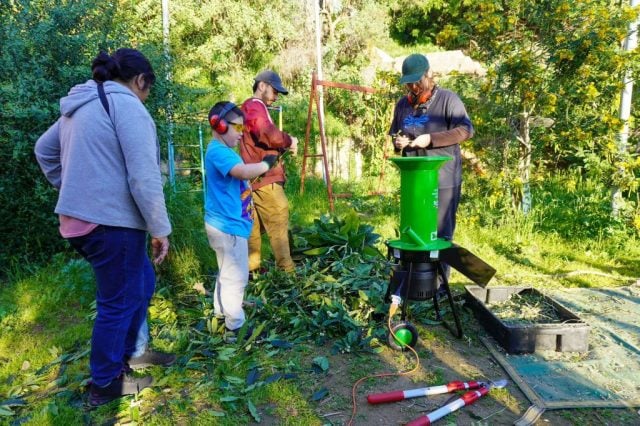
[
  {"x": 415, "y": 277},
  {"x": 419, "y": 255}
]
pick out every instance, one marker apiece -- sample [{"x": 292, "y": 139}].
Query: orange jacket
[{"x": 261, "y": 137}]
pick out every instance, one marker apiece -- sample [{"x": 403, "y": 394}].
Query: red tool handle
[
  {"x": 472, "y": 396},
  {"x": 459, "y": 385},
  {"x": 395, "y": 396},
  {"x": 420, "y": 421},
  {"x": 467, "y": 399},
  {"x": 379, "y": 398}
]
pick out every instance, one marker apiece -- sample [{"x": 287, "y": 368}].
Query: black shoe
[
  {"x": 124, "y": 384},
  {"x": 151, "y": 358}
]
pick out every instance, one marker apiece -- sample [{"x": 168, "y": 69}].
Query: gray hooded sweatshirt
[{"x": 107, "y": 168}]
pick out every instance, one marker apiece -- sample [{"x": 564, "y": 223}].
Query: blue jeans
[{"x": 125, "y": 283}]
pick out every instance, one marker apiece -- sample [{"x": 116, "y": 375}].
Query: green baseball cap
[{"x": 413, "y": 68}]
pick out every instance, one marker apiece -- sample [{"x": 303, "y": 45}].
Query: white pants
[{"x": 232, "y": 254}]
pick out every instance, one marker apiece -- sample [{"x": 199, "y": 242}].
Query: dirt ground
[{"x": 443, "y": 358}]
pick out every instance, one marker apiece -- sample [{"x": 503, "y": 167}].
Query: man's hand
[
  {"x": 270, "y": 160},
  {"x": 294, "y": 145},
  {"x": 159, "y": 249},
  {"x": 401, "y": 142},
  {"x": 421, "y": 141}
]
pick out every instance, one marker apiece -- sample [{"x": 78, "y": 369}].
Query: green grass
[{"x": 46, "y": 315}]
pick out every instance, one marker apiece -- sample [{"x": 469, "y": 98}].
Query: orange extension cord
[{"x": 392, "y": 310}]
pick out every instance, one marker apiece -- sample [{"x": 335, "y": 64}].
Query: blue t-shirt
[
  {"x": 228, "y": 205},
  {"x": 443, "y": 112}
]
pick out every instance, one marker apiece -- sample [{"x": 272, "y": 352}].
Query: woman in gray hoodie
[{"x": 103, "y": 156}]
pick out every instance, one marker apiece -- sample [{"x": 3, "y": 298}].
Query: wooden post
[
  {"x": 313, "y": 98},
  {"x": 307, "y": 133},
  {"x": 325, "y": 162}
]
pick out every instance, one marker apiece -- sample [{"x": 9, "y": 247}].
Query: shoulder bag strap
[{"x": 103, "y": 98}]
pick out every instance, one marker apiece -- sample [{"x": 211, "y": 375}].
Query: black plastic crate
[{"x": 571, "y": 335}]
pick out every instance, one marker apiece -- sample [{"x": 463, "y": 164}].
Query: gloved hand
[
  {"x": 270, "y": 159},
  {"x": 422, "y": 141}
]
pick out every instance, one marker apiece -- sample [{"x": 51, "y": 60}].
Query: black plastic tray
[{"x": 571, "y": 335}]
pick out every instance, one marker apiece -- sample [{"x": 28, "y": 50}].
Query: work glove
[
  {"x": 271, "y": 160},
  {"x": 422, "y": 141}
]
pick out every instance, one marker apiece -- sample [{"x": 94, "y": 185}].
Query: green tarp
[{"x": 608, "y": 375}]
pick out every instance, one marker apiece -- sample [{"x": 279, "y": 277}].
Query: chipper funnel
[
  {"x": 419, "y": 273},
  {"x": 419, "y": 203}
]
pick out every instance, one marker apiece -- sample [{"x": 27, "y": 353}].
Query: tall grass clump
[{"x": 565, "y": 203}]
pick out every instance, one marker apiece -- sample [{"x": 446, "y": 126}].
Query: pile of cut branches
[{"x": 337, "y": 291}]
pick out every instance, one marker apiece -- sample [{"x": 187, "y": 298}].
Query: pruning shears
[{"x": 475, "y": 390}]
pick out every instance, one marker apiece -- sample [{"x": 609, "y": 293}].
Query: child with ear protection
[{"x": 228, "y": 211}]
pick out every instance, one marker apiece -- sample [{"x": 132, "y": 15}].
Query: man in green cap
[{"x": 432, "y": 121}]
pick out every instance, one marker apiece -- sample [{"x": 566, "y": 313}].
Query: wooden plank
[
  {"x": 524, "y": 386},
  {"x": 553, "y": 405}
]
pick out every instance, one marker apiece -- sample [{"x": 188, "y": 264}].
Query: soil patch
[{"x": 443, "y": 358}]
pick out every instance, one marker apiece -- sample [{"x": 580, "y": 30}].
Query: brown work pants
[{"x": 271, "y": 214}]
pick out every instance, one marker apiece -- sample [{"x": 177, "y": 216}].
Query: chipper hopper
[{"x": 419, "y": 256}]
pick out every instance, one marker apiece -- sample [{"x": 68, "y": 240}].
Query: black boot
[{"x": 124, "y": 384}]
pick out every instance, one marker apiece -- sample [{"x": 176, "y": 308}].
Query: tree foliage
[
  {"x": 554, "y": 59},
  {"x": 220, "y": 48},
  {"x": 45, "y": 48}
]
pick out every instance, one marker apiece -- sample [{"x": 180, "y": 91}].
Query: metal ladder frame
[{"x": 171, "y": 147}]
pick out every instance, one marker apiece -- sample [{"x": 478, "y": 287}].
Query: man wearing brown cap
[
  {"x": 432, "y": 121},
  {"x": 261, "y": 137}
]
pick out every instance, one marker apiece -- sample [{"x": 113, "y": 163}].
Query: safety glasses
[{"x": 238, "y": 127}]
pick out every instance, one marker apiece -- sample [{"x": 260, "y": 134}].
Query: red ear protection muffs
[
  {"x": 420, "y": 99},
  {"x": 217, "y": 121}
]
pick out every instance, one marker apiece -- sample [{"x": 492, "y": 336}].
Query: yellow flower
[
  {"x": 592, "y": 92},
  {"x": 584, "y": 72},
  {"x": 565, "y": 54}
]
